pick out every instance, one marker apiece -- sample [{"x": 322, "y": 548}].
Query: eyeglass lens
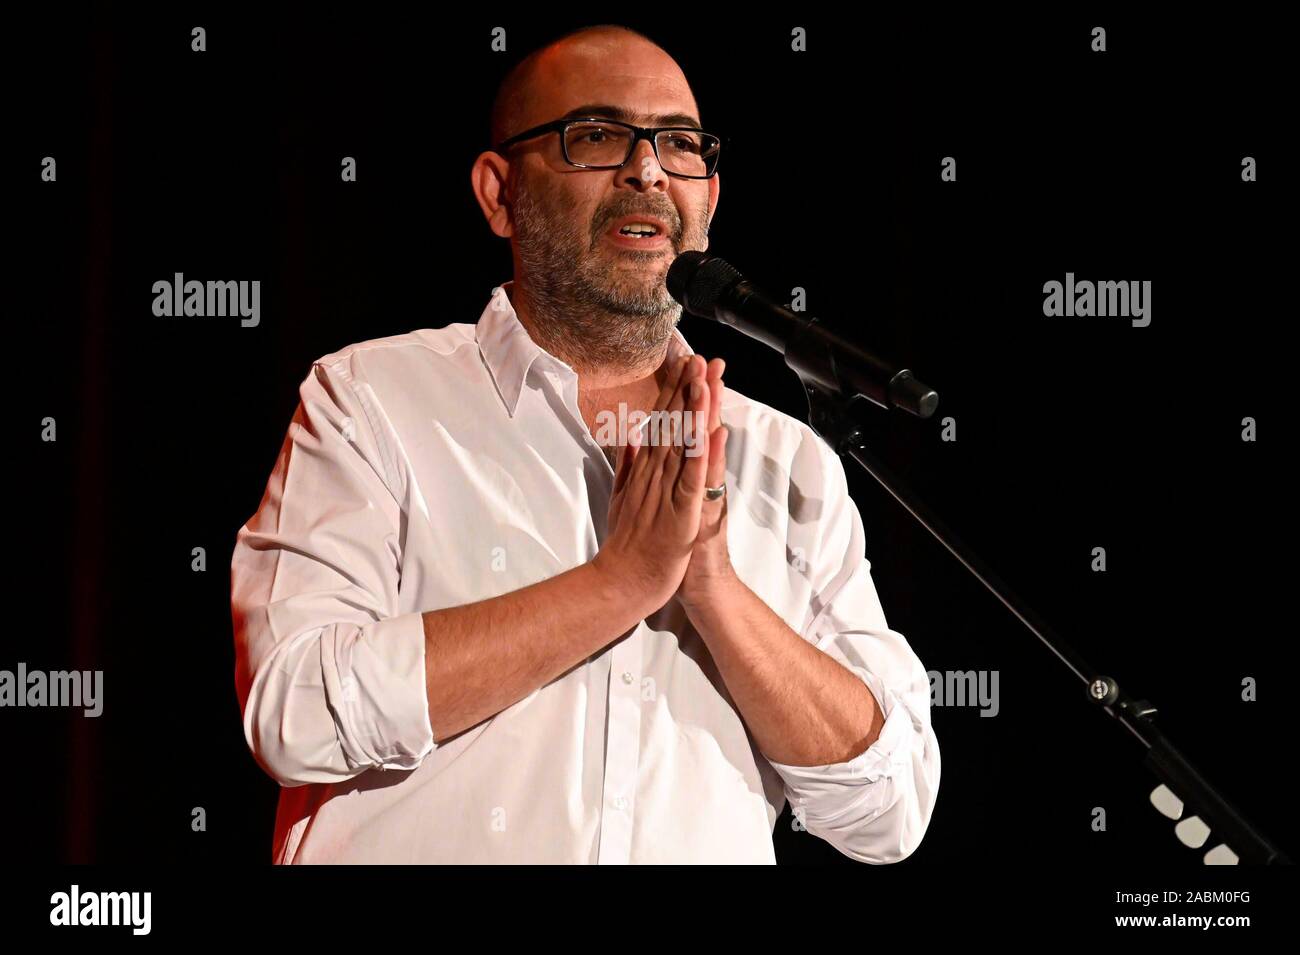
[{"x": 683, "y": 152}]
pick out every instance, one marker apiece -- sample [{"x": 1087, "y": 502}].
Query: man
[{"x": 465, "y": 635}]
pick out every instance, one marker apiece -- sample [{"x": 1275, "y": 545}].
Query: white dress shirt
[{"x": 447, "y": 466}]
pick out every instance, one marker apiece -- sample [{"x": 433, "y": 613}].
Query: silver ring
[{"x": 713, "y": 493}]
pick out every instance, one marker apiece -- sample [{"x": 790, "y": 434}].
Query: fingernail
[{"x": 696, "y": 389}]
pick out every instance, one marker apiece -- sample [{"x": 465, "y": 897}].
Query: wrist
[
  {"x": 708, "y": 590},
  {"x": 619, "y": 590}
]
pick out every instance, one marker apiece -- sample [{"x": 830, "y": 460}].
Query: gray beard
[{"x": 585, "y": 311}]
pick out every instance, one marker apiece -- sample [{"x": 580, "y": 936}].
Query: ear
[{"x": 489, "y": 177}]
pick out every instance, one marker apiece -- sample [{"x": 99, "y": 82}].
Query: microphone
[{"x": 708, "y": 287}]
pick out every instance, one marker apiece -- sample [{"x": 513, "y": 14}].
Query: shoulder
[
  {"x": 789, "y": 480},
  {"x": 779, "y": 437},
  {"x": 373, "y": 358}
]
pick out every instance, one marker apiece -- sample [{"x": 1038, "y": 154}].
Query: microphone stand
[{"x": 819, "y": 360}]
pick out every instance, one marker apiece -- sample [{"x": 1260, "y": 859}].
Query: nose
[{"x": 642, "y": 170}]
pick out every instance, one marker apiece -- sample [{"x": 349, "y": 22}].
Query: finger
[
  {"x": 697, "y": 403},
  {"x": 716, "y": 474},
  {"x": 654, "y": 425},
  {"x": 691, "y": 431},
  {"x": 700, "y": 408},
  {"x": 625, "y": 456},
  {"x": 644, "y": 482},
  {"x": 639, "y": 477},
  {"x": 667, "y": 453},
  {"x": 692, "y": 371},
  {"x": 716, "y": 367},
  {"x": 671, "y": 380},
  {"x": 689, "y": 492}
]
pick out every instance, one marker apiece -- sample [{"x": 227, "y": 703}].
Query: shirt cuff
[
  {"x": 819, "y": 786},
  {"x": 376, "y": 689}
]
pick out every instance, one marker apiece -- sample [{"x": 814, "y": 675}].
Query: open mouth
[{"x": 639, "y": 232}]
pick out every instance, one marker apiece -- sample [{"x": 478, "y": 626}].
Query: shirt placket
[
  {"x": 622, "y": 749},
  {"x": 623, "y": 713}
]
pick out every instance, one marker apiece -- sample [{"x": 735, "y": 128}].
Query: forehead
[{"x": 635, "y": 81}]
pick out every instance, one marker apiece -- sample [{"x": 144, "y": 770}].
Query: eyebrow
[{"x": 625, "y": 115}]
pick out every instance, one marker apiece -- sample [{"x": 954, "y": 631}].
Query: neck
[
  {"x": 609, "y": 373},
  {"x": 610, "y": 365}
]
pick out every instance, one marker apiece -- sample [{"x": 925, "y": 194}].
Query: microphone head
[{"x": 697, "y": 280}]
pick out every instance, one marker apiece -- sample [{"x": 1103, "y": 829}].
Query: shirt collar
[{"x": 509, "y": 351}]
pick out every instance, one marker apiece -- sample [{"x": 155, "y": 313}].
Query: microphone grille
[{"x": 697, "y": 280}]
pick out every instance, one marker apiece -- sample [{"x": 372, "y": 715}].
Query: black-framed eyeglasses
[{"x": 595, "y": 143}]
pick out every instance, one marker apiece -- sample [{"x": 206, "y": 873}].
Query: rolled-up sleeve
[
  {"x": 875, "y": 807},
  {"x": 330, "y": 678}
]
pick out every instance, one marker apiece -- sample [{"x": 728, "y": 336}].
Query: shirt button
[
  {"x": 620, "y": 802},
  {"x": 627, "y": 676}
]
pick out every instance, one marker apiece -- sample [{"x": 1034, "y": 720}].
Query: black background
[{"x": 1072, "y": 433}]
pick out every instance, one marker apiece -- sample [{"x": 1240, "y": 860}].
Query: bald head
[{"x": 536, "y": 86}]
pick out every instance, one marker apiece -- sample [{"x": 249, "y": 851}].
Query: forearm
[
  {"x": 481, "y": 658},
  {"x": 802, "y": 706}
]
